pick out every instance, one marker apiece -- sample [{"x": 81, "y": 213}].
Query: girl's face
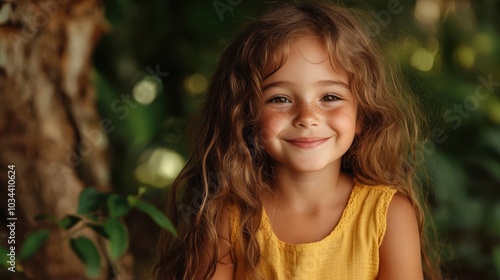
[{"x": 308, "y": 111}]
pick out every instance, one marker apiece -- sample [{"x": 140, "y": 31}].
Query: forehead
[
  {"x": 309, "y": 48},
  {"x": 305, "y": 58}
]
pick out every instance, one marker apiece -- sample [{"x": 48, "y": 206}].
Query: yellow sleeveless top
[{"x": 350, "y": 251}]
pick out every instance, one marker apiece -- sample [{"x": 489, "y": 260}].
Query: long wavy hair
[{"x": 229, "y": 166}]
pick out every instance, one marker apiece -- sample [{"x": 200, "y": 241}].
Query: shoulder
[
  {"x": 401, "y": 217},
  {"x": 400, "y": 207},
  {"x": 373, "y": 202},
  {"x": 400, "y": 248},
  {"x": 383, "y": 192},
  {"x": 374, "y": 199}
]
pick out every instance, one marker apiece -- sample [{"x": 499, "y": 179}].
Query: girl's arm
[
  {"x": 225, "y": 265},
  {"x": 224, "y": 270},
  {"x": 400, "y": 249}
]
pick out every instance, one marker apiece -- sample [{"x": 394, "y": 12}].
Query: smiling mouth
[{"x": 307, "y": 142}]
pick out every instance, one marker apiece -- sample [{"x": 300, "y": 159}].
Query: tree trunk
[{"x": 50, "y": 129}]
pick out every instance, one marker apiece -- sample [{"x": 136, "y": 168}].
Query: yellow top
[{"x": 350, "y": 251}]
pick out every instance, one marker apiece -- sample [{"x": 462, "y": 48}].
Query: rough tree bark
[{"x": 49, "y": 126}]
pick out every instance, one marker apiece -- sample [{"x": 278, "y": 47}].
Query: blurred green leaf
[
  {"x": 448, "y": 175},
  {"x": 490, "y": 138},
  {"x": 472, "y": 214},
  {"x": 492, "y": 166},
  {"x": 99, "y": 230},
  {"x": 33, "y": 242},
  {"x": 130, "y": 119},
  {"x": 494, "y": 221},
  {"x": 90, "y": 200},
  {"x": 3, "y": 256},
  {"x": 68, "y": 221},
  {"x": 93, "y": 218},
  {"x": 118, "y": 206},
  {"x": 496, "y": 259},
  {"x": 153, "y": 213},
  {"x": 46, "y": 217},
  {"x": 86, "y": 251},
  {"x": 118, "y": 237}
]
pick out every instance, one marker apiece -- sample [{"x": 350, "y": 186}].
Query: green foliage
[
  {"x": 68, "y": 221},
  {"x": 154, "y": 213},
  {"x": 86, "y": 251},
  {"x": 100, "y": 212},
  {"x": 3, "y": 256},
  {"x": 41, "y": 217},
  {"x": 33, "y": 242},
  {"x": 90, "y": 200},
  {"x": 118, "y": 237},
  {"x": 99, "y": 229},
  {"x": 118, "y": 206}
]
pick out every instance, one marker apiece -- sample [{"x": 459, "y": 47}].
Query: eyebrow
[{"x": 319, "y": 83}]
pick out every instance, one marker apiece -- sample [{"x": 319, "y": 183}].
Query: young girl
[{"x": 304, "y": 165}]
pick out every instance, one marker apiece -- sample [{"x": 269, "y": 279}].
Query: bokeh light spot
[
  {"x": 465, "y": 56},
  {"x": 483, "y": 43},
  {"x": 159, "y": 167},
  {"x": 422, "y": 59},
  {"x": 427, "y": 12},
  {"x": 195, "y": 84},
  {"x": 145, "y": 91}
]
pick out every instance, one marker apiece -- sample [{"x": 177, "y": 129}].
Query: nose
[{"x": 306, "y": 116}]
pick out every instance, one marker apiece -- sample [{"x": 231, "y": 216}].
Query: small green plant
[{"x": 101, "y": 212}]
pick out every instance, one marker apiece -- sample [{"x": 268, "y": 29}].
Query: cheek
[
  {"x": 272, "y": 124},
  {"x": 342, "y": 118}
]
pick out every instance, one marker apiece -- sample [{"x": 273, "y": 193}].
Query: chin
[{"x": 307, "y": 166}]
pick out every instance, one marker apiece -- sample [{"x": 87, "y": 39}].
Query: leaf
[
  {"x": 86, "y": 251},
  {"x": 153, "y": 213},
  {"x": 90, "y": 200},
  {"x": 100, "y": 230},
  {"x": 118, "y": 237},
  {"x": 42, "y": 217},
  {"x": 68, "y": 221},
  {"x": 118, "y": 206},
  {"x": 33, "y": 242},
  {"x": 3, "y": 256},
  {"x": 92, "y": 218}
]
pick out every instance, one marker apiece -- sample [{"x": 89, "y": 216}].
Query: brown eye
[
  {"x": 330, "y": 98},
  {"x": 279, "y": 99}
]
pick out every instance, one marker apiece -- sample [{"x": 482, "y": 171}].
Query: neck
[{"x": 307, "y": 192}]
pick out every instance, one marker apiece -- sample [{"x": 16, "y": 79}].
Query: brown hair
[{"x": 229, "y": 166}]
